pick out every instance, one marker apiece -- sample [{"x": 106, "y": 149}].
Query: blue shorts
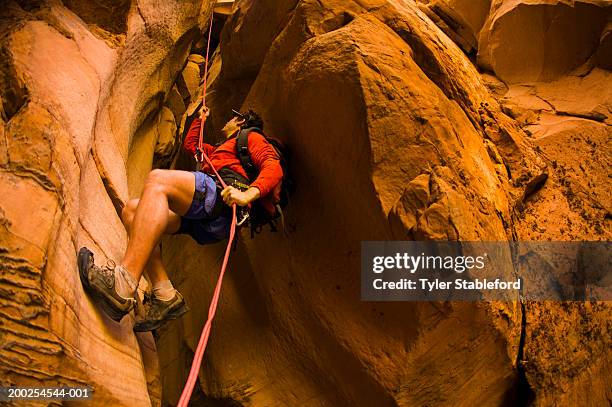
[{"x": 199, "y": 222}]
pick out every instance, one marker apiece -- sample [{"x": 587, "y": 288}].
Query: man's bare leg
[
  {"x": 166, "y": 303},
  {"x": 167, "y": 194},
  {"x": 161, "y": 286},
  {"x": 155, "y": 271}
]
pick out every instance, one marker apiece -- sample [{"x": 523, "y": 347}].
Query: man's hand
[
  {"x": 204, "y": 112},
  {"x": 233, "y": 195}
]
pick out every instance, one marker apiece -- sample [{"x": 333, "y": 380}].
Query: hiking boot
[
  {"x": 157, "y": 311},
  {"x": 99, "y": 282}
]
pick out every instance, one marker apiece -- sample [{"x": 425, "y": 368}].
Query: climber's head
[
  {"x": 242, "y": 121},
  {"x": 251, "y": 119}
]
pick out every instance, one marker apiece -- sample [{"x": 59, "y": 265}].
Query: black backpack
[{"x": 259, "y": 216}]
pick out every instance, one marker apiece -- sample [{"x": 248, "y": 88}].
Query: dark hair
[{"x": 252, "y": 119}]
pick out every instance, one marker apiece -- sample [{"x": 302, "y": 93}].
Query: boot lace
[{"x": 108, "y": 271}]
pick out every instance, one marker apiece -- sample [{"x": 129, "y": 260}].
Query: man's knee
[
  {"x": 177, "y": 186},
  {"x": 170, "y": 182},
  {"x": 157, "y": 179}
]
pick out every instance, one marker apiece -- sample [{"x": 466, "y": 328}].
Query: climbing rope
[
  {"x": 199, "y": 353},
  {"x": 204, "y": 89}
]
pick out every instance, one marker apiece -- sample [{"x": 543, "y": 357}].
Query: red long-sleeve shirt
[{"x": 263, "y": 155}]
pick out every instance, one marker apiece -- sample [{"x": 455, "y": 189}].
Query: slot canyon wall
[
  {"x": 398, "y": 131},
  {"x": 429, "y": 120},
  {"x": 82, "y": 86}
]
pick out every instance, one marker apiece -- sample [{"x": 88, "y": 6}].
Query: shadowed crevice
[
  {"x": 13, "y": 93},
  {"x": 108, "y": 15}
]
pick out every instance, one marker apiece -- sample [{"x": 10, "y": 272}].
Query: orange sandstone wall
[{"x": 81, "y": 86}]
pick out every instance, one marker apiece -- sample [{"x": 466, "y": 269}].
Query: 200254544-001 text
[{"x": 45, "y": 393}]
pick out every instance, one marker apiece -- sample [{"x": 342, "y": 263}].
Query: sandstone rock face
[
  {"x": 524, "y": 41},
  {"x": 166, "y": 140},
  {"x": 79, "y": 84},
  {"x": 191, "y": 76},
  {"x": 109, "y": 15},
  {"x": 394, "y": 136},
  {"x": 176, "y": 104},
  {"x": 527, "y": 40},
  {"x": 569, "y": 122},
  {"x": 604, "y": 51},
  {"x": 461, "y": 20}
]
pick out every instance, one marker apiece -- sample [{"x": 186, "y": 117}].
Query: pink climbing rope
[
  {"x": 199, "y": 353},
  {"x": 204, "y": 89},
  {"x": 212, "y": 309}
]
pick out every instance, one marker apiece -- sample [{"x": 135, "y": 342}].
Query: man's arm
[
  {"x": 266, "y": 161},
  {"x": 193, "y": 139}
]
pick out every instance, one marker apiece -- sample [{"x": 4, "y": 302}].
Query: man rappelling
[{"x": 196, "y": 203}]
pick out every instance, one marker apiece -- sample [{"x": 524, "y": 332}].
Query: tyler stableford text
[{"x": 442, "y": 268}]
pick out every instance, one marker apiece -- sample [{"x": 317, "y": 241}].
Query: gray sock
[
  {"x": 163, "y": 290},
  {"x": 125, "y": 285}
]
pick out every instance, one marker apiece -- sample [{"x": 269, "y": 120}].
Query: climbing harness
[{"x": 199, "y": 353}]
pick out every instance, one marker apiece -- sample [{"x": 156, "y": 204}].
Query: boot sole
[
  {"x": 153, "y": 325},
  {"x": 99, "y": 299}
]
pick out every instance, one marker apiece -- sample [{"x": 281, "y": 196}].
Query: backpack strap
[{"x": 242, "y": 151}]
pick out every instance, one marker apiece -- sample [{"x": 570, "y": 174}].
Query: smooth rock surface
[
  {"x": 387, "y": 120},
  {"x": 528, "y": 41},
  {"x": 462, "y": 19},
  {"x": 77, "y": 84},
  {"x": 397, "y": 137},
  {"x": 394, "y": 134}
]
